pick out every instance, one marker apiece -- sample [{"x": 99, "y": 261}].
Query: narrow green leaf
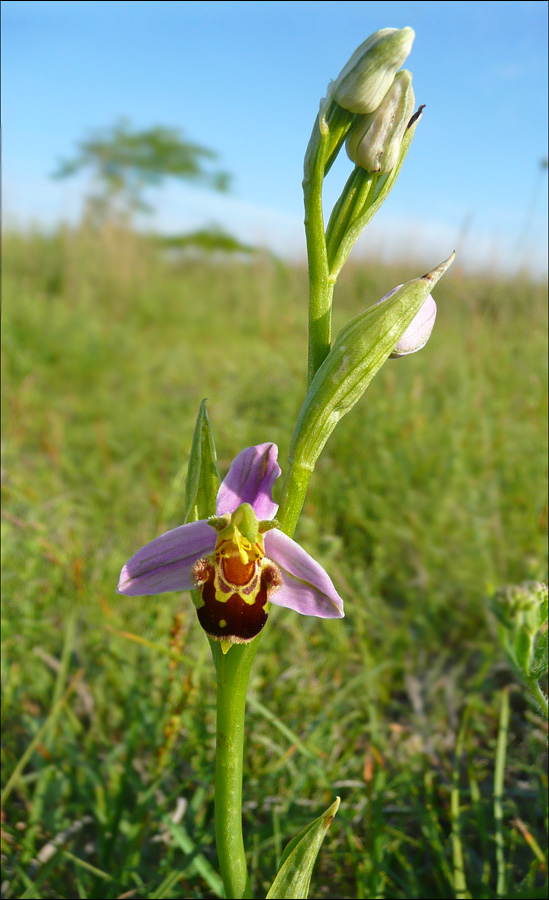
[
  {"x": 540, "y": 662},
  {"x": 339, "y": 122},
  {"x": 199, "y": 862},
  {"x": 543, "y": 608},
  {"x": 522, "y": 648},
  {"x": 82, "y": 864},
  {"x": 202, "y": 476},
  {"x": 459, "y": 878},
  {"x": 37, "y": 739},
  {"x": 32, "y": 892},
  {"x": 166, "y": 887},
  {"x": 298, "y": 859},
  {"x": 499, "y": 779},
  {"x": 258, "y": 707}
]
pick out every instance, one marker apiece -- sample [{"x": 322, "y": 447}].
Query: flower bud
[
  {"x": 522, "y": 611},
  {"x": 521, "y": 606},
  {"x": 419, "y": 330},
  {"x": 363, "y": 82},
  {"x": 374, "y": 142},
  {"x": 358, "y": 353}
]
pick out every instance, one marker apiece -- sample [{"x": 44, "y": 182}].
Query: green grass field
[{"x": 430, "y": 495}]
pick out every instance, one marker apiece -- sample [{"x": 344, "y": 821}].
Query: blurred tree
[
  {"x": 209, "y": 239},
  {"x": 125, "y": 163}
]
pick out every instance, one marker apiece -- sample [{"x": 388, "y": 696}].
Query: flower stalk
[
  {"x": 235, "y": 551},
  {"x": 320, "y": 286},
  {"x": 233, "y": 673}
]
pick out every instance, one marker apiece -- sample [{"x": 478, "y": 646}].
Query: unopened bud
[
  {"x": 522, "y": 605},
  {"x": 419, "y": 330},
  {"x": 374, "y": 142},
  {"x": 358, "y": 352},
  {"x": 522, "y": 611},
  {"x": 363, "y": 82}
]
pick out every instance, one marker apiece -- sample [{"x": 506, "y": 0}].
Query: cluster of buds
[
  {"x": 376, "y": 103},
  {"x": 383, "y": 99},
  {"x": 521, "y": 611}
]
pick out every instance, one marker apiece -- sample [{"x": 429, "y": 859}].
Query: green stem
[
  {"x": 233, "y": 672},
  {"x": 328, "y": 134},
  {"x": 320, "y": 286},
  {"x": 499, "y": 774},
  {"x": 323, "y": 147}
]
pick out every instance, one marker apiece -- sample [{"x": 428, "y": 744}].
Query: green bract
[
  {"x": 202, "y": 482},
  {"x": 296, "y": 866},
  {"x": 374, "y": 141},
  {"x": 359, "y": 201},
  {"x": 358, "y": 353}
]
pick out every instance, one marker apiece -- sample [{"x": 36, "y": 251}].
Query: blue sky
[{"x": 245, "y": 79}]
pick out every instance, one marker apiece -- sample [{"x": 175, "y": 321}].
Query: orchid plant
[{"x": 235, "y": 551}]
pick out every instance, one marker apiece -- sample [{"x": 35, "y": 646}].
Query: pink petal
[
  {"x": 250, "y": 480},
  {"x": 165, "y": 564},
  {"x": 307, "y": 588},
  {"x": 419, "y": 330}
]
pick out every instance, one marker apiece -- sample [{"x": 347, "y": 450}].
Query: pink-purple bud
[{"x": 419, "y": 330}]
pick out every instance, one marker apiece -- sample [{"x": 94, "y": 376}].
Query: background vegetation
[{"x": 429, "y": 496}]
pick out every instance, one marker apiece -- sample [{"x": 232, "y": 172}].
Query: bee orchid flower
[{"x": 238, "y": 560}]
